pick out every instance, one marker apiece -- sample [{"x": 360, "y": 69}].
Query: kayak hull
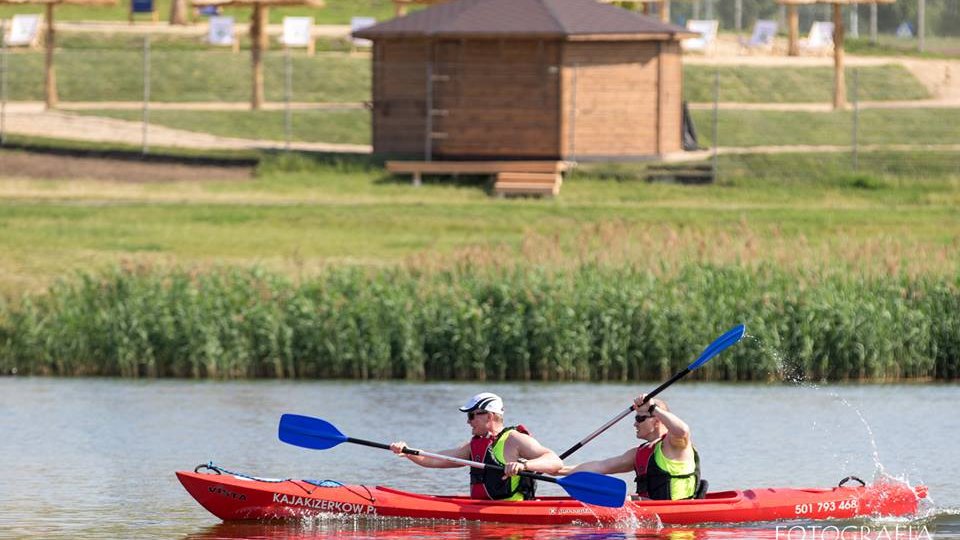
[{"x": 233, "y": 498}]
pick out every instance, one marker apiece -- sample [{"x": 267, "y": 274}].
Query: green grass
[
  {"x": 301, "y": 215},
  {"x": 876, "y": 126},
  {"x": 947, "y": 48},
  {"x": 746, "y": 84},
  {"x": 211, "y": 75},
  {"x": 333, "y": 13},
  {"x": 346, "y": 126},
  {"x": 215, "y": 75}
]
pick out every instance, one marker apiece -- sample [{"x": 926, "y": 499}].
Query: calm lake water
[{"x": 93, "y": 458}]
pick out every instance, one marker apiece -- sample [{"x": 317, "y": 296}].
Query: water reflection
[
  {"x": 451, "y": 531},
  {"x": 943, "y": 526}
]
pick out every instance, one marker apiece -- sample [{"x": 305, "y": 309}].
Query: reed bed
[{"x": 521, "y": 322}]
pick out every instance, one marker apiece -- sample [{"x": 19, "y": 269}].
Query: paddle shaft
[
  {"x": 474, "y": 464},
  {"x": 679, "y": 375}
]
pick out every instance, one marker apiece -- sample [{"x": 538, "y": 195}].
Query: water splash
[
  {"x": 785, "y": 371},
  {"x": 627, "y": 520},
  {"x": 790, "y": 372}
]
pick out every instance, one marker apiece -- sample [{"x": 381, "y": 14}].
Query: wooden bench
[
  {"x": 528, "y": 183},
  {"x": 420, "y": 168}
]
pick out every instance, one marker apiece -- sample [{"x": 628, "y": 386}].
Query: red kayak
[{"x": 238, "y": 497}]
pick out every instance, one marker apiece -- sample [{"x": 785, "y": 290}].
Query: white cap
[{"x": 484, "y": 401}]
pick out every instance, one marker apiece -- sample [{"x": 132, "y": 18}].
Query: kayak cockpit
[{"x": 727, "y": 497}]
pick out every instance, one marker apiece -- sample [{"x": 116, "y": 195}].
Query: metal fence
[
  {"x": 915, "y": 21},
  {"x": 194, "y": 90},
  {"x": 891, "y": 123}
]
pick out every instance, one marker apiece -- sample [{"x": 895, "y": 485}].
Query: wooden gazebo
[
  {"x": 526, "y": 79},
  {"x": 258, "y": 34},
  {"x": 793, "y": 25},
  {"x": 50, "y": 86}
]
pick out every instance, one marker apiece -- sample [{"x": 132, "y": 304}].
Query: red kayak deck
[{"x": 242, "y": 498}]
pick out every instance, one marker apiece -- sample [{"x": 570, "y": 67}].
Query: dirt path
[
  {"x": 827, "y": 107},
  {"x": 63, "y": 125},
  {"x": 36, "y": 107},
  {"x": 129, "y": 170}
]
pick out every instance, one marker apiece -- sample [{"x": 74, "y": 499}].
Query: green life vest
[{"x": 661, "y": 478}]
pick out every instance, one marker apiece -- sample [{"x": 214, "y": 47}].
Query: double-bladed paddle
[
  {"x": 586, "y": 487},
  {"x": 732, "y": 336}
]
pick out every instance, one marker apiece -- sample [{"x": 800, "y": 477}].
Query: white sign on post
[
  {"x": 221, "y": 31},
  {"x": 296, "y": 31},
  {"x": 24, "y": 30}
]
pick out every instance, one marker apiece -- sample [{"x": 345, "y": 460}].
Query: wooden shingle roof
[{"x": 559, "y": 19}]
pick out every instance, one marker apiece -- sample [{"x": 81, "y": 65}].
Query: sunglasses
[
  {"x": 641, "y": 418},
  {"x": 472, "y": 414}
]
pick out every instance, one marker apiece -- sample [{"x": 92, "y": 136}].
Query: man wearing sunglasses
[
  {"x": 512, "y": 448},
  {"x": 666, "y": 463}
]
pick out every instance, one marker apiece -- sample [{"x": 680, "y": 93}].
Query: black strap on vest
[
  {"x": 498, "y": 488},
  {"x": 655, "y": 484}
]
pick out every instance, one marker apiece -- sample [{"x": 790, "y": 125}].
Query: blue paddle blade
[
  {"x": 595, "y": 489},
  {"x": 309, "y": 432},
  {"x": 732, "y": 336}
]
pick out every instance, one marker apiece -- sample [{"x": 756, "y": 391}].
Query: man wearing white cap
[{"x": 512, "y": 448}]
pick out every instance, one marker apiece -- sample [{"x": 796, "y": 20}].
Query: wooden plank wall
[
  {"x": 623, "y": 109},
  {"x": 497, "y": 99},
  {"x": 671, "y": 97},
  {"x": 399, "y": 96}
]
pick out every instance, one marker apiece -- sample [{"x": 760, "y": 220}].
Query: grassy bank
[
  {"x": 935, "y": 47},
  {"x": 875, "y": 126},
  {"x": 520, "y": 323},
  {"x": 337, "y": 126},
  {"x": 207, "y": 74},
  {"x": 746, "y": 84},
  {"x": 300, "y": 215}
]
